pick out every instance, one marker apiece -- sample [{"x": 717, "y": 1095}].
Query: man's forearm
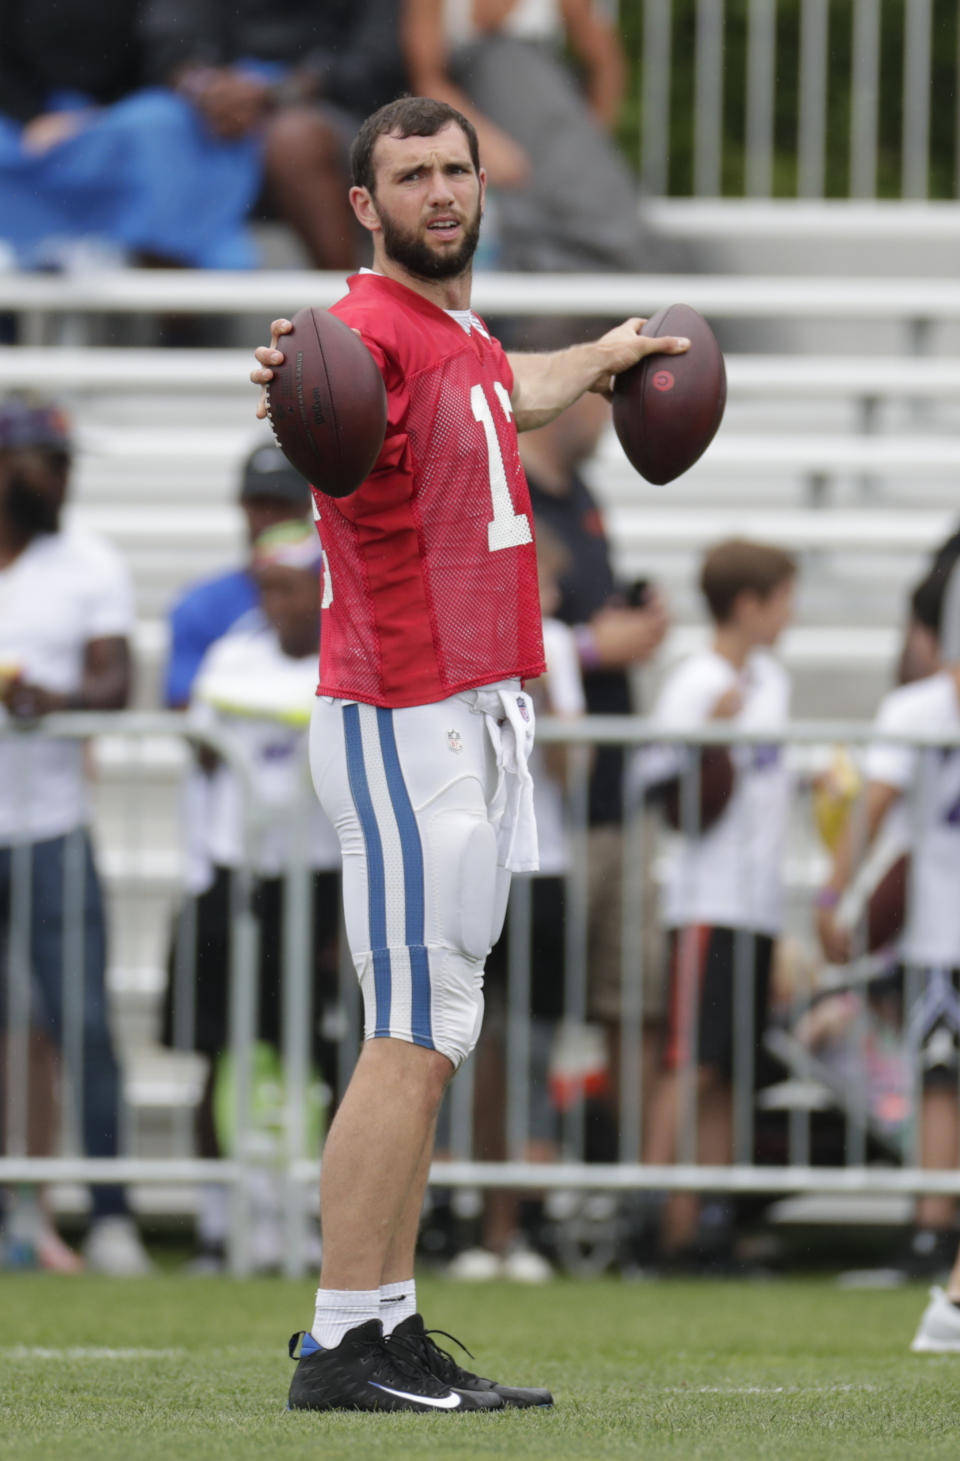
[{"x": 545, "y": 385}]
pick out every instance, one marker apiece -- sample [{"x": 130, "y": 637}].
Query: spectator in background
[
  {"x": 257, "y": 685},
  {"x": 509, "y": 1248},
  {"x": 614, "y": 633},
  {"x": 723, "y": 898},
  {"x": 146, "y": 130},
  {"x": 565, "y": 198},
  {"x": 65, "y": 615},
  {"x": 913, "y": 803},
  {"x": 94, "y": 165},
  {"x": 298, "y": 73},
  {"x": 919, "y": 656},
  {"x": 271, "y": 492}
]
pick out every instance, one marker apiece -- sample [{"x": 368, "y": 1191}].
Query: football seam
[{"x": 273, "y": 424}]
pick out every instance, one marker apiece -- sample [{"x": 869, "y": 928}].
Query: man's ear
[{"x": 361, "y": 201}]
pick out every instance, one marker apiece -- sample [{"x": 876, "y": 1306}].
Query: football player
[{"x": 422, "y": 727}]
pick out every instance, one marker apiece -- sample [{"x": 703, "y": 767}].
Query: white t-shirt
[
  {"x": 536, "y": 20},
  {"x": 927, "y": 818},
  {"x": 732, "y": 876},
  {"x": 262, "y": 698},
  {"x": 64, "y": 590},
  {"x": 561, "y": 694}
]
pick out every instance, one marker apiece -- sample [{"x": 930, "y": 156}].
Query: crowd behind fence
[{"x": 835, "y": 1109}]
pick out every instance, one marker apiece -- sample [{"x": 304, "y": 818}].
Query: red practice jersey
[{"x": 430, "y": 574}]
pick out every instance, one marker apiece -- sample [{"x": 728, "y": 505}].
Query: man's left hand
[{"x": 624, "y": 346}]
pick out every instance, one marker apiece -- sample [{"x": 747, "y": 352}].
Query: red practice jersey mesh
[{"x": 430, "y": 574}]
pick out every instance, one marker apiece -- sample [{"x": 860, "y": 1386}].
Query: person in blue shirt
[{"x": 271, "y": 492}]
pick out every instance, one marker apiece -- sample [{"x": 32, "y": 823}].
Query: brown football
[
  {"x": 327, "y": 404},
  {"x": 667, "y": 408},
  {"x": 715, "y": 785},
  {"x": 886, "y": 908}
]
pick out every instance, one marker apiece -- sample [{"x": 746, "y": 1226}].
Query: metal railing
[{"x": 878, "y": 1157}]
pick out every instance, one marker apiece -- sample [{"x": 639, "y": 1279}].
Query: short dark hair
[
  {"x": 740, "y": 566},
  {"x": 408, "y": 116},
  {"x": 926, "y": 601}
]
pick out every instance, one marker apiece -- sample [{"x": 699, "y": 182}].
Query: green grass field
[{"x": 180, "y": 1368}]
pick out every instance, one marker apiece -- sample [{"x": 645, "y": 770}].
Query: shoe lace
[{"x": 440, "y": 1362}]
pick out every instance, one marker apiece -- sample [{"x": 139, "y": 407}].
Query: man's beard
[
  {"x": 28, "y": 511},
  {"x": 414, "y": 255}
]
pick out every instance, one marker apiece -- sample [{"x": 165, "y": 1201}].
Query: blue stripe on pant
[
  {"x": 376, "y": 882},
  {"x": 413, "y": 884}
]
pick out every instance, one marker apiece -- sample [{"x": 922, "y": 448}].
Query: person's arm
[
  {"x": 105, "y": 684},
  {"x": 618, "y": 637},
  {"x": 183, "y": 49},
  {"x": 596, "y": 44},
  {"x": 545, "y": 385},
  {"x": 424, "y": 42},
  {"x": 834, "y": 939}
]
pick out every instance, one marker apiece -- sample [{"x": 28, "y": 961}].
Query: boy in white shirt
[
  {"x": 257, "y": 685},
  {"x": 506, "y": 1252},
  {"x": 913, "y": 796},
  {"x": 723, "y": 898}
]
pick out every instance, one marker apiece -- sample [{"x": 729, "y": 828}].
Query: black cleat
[
  {"x": 410, "y": 1338},
  {"x": 362, "y": 1373}
]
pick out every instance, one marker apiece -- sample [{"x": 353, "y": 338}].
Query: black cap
[{"x": 267, "y": 473}]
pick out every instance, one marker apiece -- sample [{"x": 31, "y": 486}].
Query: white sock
[
  {"x": 397, "y": 1302},
  {"x": 341, "y": 1309}
]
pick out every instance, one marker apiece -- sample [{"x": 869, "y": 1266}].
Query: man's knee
[
  {"x": 296, "y": 135},
  {"x": 428, "y": 1071}
]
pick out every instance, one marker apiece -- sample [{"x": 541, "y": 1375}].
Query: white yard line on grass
[
  {"x": 74, "y": 1352},
  {"x": 768, "y": 1389}
]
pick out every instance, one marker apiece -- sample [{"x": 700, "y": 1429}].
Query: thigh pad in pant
[{"x": 423, "y": 895}]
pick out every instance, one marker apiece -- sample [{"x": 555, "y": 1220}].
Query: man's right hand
[
  {"x": 507, "y": 164},
  {"x": 49, "y": 130},
  {"x": 231, "y": 102},
  {"x": 834, "y": 938},
  {"x": 268, "y": 356},
  {"x": 626, "y": 637},
  {"x": 729, "y": 704}
]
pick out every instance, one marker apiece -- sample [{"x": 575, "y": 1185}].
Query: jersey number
[
  {"x": 508, "y": 529},
  {"x": 327, "y": 598}
]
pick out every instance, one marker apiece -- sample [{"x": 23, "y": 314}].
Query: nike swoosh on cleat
[{"x": 438, "y": 1402}]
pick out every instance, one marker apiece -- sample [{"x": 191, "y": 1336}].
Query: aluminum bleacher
[
  {"x": 847, "y": 451},
  {"x": 847, "y": 459}
]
